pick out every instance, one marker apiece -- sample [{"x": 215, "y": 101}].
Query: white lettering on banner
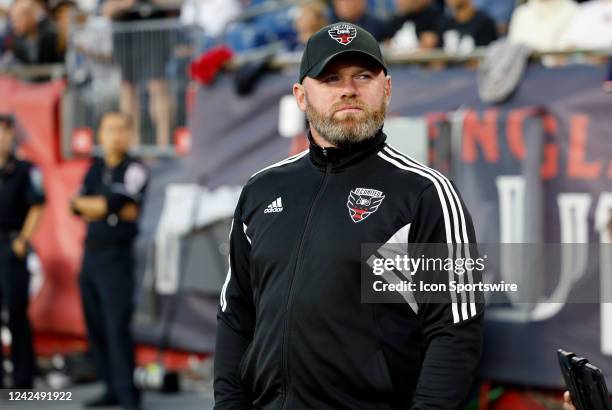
[
  {"x": 603, "y": 221},
  {"x": 574, "y": 224},
  {"x": 511, "y": 190},
  {"x": 573, "y": 215}
]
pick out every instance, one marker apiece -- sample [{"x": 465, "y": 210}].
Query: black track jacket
[{"x": 292, "y": 331}]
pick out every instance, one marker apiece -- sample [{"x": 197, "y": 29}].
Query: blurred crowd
[
  {"x": 138, "y": 55},
  {"x": 38, "y": 31}
]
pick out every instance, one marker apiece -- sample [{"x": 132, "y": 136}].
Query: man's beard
[{"x": 352, "y": 128}]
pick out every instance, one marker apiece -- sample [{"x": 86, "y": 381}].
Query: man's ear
[
  {"x": 300, "y": 96},
  {"x": 388, "y": 88}
]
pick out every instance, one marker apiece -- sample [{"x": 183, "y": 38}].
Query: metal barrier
[
  {"x": 39, "y": 72},
  {"x": 141, "y": 68},
  {"x": 138, "y": 67}
]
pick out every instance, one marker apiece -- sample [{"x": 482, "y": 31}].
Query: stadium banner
[{"x": 534, "y": 169}]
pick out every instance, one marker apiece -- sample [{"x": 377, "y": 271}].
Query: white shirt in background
[
  {"x": 211, "y": 15},
  {"x": 541, "y": 24},
  {"x": 591, "y": 27},
  {"x": 4, "y": 20}
]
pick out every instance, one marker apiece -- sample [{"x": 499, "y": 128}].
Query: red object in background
[
  {"x": 205, "y": 68},
  {"x": 55, "y": 310},
  {"x": 58, "y": 241},
  {"x": 191, "y": 97},
  {"x": 36, "y": 109},
  {"x": 515, "y": 400},
  {"x": 82, "y": 141},
  {"x": 182, "y": 141}
]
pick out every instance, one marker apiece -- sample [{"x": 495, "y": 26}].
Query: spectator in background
[
  {"x": 499, "y": 10},
  {"x": 34, "y": 39},
  {"x": 110, "y": 200},
  {"x": 212, "y": 16},
  {"x": 309, "y": 19},
  {"x": 590, "y": 27},
  {"x": 142, "y": 56},
  {"x": 541, "y": 24},
  {"x": 414, "y": 25},
  {"x": 5, "y": 8},
  {"x": 466, "y": 28},
  {"x": 21, "y": 206},
  {"x": 355, "y": 11},
  {"x": 64, "y": 14}
]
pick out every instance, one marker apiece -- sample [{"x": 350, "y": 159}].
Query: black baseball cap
[{"x": 334, "y": 40}]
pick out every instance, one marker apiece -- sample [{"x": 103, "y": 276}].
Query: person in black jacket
[
  {"x": 110, "y": 200},
  {"x": 21, "y": 205},
  {"x": 293, "y": 331},
  {"x": 414, "y": 25},
  {"x": 466, "y": 28}
]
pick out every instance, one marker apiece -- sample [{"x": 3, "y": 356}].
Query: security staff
[
  {"x": 110, "y": 201},
  {"x": 293, "y": 332},
  {"x": 21, "y": 206}
]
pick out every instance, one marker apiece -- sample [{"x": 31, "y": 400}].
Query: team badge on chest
[{"x": 363, "y": 202}]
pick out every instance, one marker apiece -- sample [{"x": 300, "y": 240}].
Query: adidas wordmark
[{"x": 275, "y": 206}]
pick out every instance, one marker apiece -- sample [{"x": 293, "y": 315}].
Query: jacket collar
[
  {"x": 9, "y": 166},
  {"x": 339, "y": 158}
]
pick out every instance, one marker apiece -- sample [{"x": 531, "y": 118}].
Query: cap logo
[{"x": 343, "y": 33}]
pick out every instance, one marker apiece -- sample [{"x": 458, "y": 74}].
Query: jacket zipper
[{"x": 284, "y": 353}]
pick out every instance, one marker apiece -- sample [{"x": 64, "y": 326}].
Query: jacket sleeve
[
  {"x": 235, "y": 321},
  {"x": 452, "y": 328},
  {"x": 131, "y": 189},
  {"x": 35, "y": 191}
]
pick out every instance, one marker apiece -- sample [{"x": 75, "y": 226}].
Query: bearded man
[{"x": 293, "y": 329}]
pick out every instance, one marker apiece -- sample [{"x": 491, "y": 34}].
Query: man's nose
[{"x": 349, "y": 88}]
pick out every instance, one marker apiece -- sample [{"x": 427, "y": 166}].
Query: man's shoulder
[
  {"x": 135, "y": 174},
  {"x": 96, "y": 162},
  {"x": 409, "y": 171},
  {"x": 289, "y": 164},
  {"x": 22, "y": 164},
  {"x": 134, "y": 162}
]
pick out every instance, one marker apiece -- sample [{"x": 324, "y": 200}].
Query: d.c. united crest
[
  {"x": 343, "y": 33},
  {"x": 363, "y": 202}
]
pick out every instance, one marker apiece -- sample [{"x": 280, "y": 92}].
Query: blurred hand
[
  {"x": 73, "y": 205},
  {"x": 20, "y": 247},
  {"x": 567, "y": 402},
  {"x": 129, "y": 212}
]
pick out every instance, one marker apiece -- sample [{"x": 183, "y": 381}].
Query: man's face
[
  {"x": 409, "y": 6},
  {"x": 348, "y": 102},
  {"x": 6, "y": 139},
  {"x": 63, "y": 16},
  {"x": 114, "y": 134},
  {"x": 23, "y": 17},
  {"x": 349, "y": 10},
  {"x": 457, "y": 4}
]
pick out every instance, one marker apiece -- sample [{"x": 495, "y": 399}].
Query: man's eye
[{"x": 363, "y": 76}]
